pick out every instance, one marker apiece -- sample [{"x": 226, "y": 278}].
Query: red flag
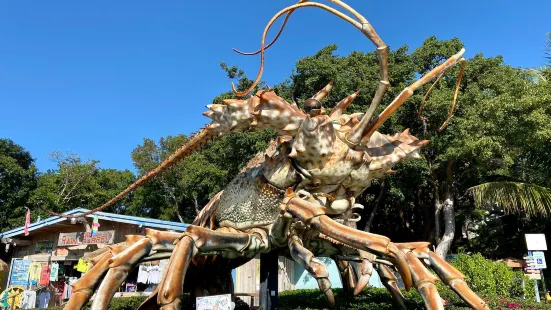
[{"x": 27, "y": 221}]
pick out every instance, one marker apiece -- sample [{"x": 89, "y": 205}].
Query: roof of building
[{"x": 143, "y": 221}]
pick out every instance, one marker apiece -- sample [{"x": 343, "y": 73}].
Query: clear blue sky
[{"x": 96, "y": 77}]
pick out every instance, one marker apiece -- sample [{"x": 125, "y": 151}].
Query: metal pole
[
  {"x": 537, "y": 291},
  {"x": 543, "y": 286},
  {"x": 268, "y": 281}
]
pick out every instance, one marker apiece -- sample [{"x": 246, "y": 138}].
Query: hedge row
[
  {"x": 501, "y": 287},
  {"x": 371, "y": 298}
]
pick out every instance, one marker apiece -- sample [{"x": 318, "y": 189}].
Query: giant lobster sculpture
[{"x": 291, "y": 200}]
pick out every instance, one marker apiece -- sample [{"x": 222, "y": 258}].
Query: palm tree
[{"x": 513, "y": 197}]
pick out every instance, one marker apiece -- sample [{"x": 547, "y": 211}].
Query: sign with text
[
  {"x": 80, "y": 238},
  {"x": 20, "y": 272},
  {"x": 539, "y": 260},
  {"x": 535, "y": 242},
  {"x": 215, "y": 302}
]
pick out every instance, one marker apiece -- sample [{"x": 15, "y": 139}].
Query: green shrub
[
  {"x": 493, "y": 279},
  {"x": 370, "y": 298},
  {"x": 131, "y": 303},
  {"x": 498, "y": 285}
]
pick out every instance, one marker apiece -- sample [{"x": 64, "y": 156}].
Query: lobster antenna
[
  {"x": 276, "y": 37},
  {"x": 355, "y": 23},
  {"x": 450, "y": 114},
  {"x": 452, "y": 108}
]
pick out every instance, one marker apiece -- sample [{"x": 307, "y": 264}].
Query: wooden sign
[{"x": 80, "y": 238}]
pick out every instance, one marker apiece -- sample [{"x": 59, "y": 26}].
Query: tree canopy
[{"x": 499, "y": 134}]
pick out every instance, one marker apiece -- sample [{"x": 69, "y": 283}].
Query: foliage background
[{"x": 500, "y": 132}]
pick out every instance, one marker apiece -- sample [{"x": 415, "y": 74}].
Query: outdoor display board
[
  {"x": 79, "y": 238},
  {"x": 20, "y": 272},
  {"x": 216, "y": 302},
  {"x": 536, "y": 242},
  {"x": 539, "y": 260}
]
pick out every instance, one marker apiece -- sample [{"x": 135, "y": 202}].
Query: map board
[
  {"x": 216, "y": 302},
  {"x": 20, "y": 272}
]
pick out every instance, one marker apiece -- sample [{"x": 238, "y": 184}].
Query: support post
[
  {"x": 543, "y": 286},
  {"x": 268, "y": 281}
]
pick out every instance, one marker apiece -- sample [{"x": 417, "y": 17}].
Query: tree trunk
[
  {"x": 437, "y": 213},
  {"x": 197, "y": 209},
  {"x": 179, "y": 215},
  {"x": 449, "y": 217},
  {"x": 375, "y": 207}
]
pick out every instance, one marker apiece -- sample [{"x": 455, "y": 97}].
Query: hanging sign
[
  {"x": 80, "y": 238},
  {"x": 20, "y": 272}
]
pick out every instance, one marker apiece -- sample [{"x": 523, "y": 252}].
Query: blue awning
[{"x": 143, "y": 221}]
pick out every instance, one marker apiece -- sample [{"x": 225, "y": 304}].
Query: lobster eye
[{"x": 311, "y": 104}]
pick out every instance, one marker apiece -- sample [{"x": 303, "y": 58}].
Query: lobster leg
[
  {"x": 315, "y": 267},
  {"x": 451, "y": 276},
  {"x": 84, "y": 287},
  {"x": 366, "y": 270},
  {"x": 455, "y": 279},
  {"x": 197, "y": 241},
  {"x": 348, "y": 275},
  {"x": 390, "y": 282},
  {"x": 314, "y": 215},
  {"x": 424, "y": 282},
  {"x": 117, "y": 263}
]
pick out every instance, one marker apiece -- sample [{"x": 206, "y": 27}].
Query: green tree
[
  {"x": 18, "y": 177},
  {"x": 499, "y": 108},
  {"x": 78, "y": 184},
  {"x": 181, "y": 192}
]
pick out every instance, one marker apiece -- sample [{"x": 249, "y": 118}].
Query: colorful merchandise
[
  {"x": 53, "y": 272},
  {"x": 4, "y": 298},
  {"x": 28, "y": 300},
  {"x": 34, "y": 272},
  {"x": 44, "y": 299},
  {"x": 45, "y": 275},
  {"x": 82, "y": 265},
  {"x": 70, "y": 289},
  {"x": 142, "y": 274},
  {"x": 95, "y": 225},
  {"x": 27, "y": 221},
  {"x": 11, "y": 296},
  {"x": 148, "y": 274}
]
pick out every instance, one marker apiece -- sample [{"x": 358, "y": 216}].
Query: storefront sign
[
  {"x": 20, "y": 272},
  {"x": 79, "y": 238}
]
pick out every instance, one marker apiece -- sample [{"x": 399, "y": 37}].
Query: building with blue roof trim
[{"x": 62, "y": 242}]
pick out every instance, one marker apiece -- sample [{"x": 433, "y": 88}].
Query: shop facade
[{"x": 42, "y": 265}]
